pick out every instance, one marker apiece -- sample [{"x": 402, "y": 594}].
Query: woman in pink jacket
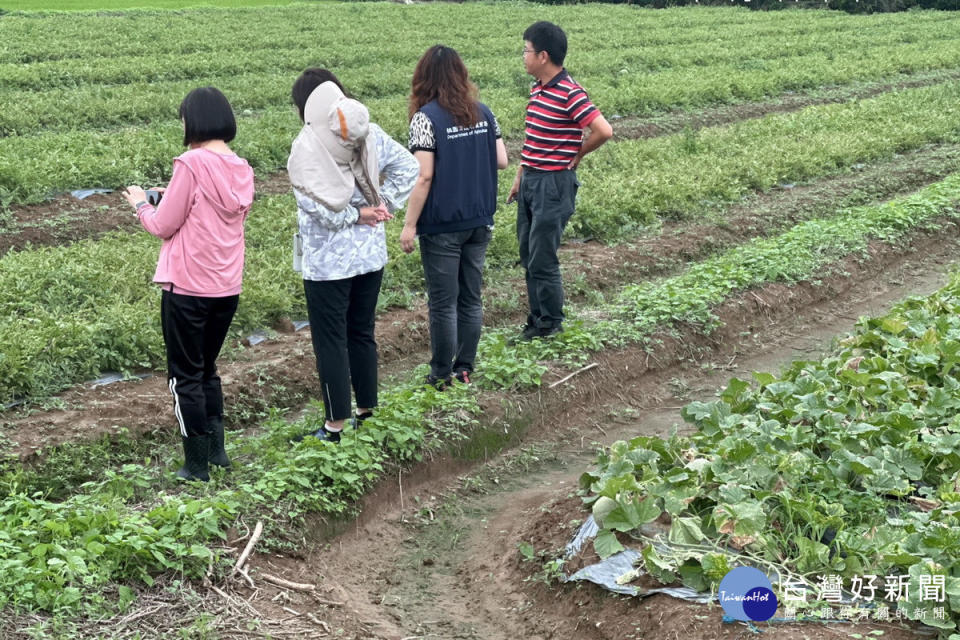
[{"x": 200, "y": 269}]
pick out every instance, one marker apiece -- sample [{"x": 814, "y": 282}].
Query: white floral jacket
[{"x": 334, "y": 245}]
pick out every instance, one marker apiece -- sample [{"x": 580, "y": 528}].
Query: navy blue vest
[{"x": 463, "y": 193}]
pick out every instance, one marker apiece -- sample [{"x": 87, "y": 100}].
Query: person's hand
[
  {"x": 134, "y": 194},
  {"x": 372, "y": 216},
  {"x": 369, "y": 216},
  {"x": 383, "y": 213},
  {"x": 514, "y": 190},
  {"x": 575, "y": 162},
  {"x": 407, "y": 237}
]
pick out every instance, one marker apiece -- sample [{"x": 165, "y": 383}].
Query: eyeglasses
[{"x": 526, "y": 51}]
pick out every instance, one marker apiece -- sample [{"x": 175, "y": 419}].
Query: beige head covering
[{"x": 333, "y": 152}]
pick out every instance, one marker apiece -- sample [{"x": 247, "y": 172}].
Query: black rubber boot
[
  {"x": 196, "y": 450},
  {"x": 218, "y": 455},
  {"x": 357, "y": 420}
]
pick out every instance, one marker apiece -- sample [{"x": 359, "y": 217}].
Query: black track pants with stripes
[
  {"x": 342, "y": 320},
  {"x": 194, "y": 329}
]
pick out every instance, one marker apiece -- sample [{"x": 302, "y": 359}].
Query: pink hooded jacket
[{"x": 200, "y": 220}]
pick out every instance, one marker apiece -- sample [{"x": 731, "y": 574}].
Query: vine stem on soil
[{"x": 257, "y": 530}]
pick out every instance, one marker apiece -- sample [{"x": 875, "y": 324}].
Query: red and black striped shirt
[{"x": 556, "y": 116}]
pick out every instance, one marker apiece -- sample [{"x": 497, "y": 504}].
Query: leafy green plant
[
  {"x": 845, "y": 466},
  {"x": 86, "y": 107},
  {"x": 133, "y": 523}
]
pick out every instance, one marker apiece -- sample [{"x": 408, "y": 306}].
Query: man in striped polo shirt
[{"x": 546, "y": 185}]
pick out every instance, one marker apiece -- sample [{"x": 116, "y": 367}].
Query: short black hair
[
  {"x": 207, "y": 115},
  {"x": 546, "y": 36},
  {"x": 310, "y": 80}
]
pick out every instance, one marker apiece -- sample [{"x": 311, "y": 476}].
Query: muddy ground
[
  {"x": 446, "y": 564},
  {"x": 433, "y": 553}
]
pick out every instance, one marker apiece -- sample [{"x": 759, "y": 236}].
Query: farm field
[
  {"x": 775, "y": 177},
  {"x": 115, "y": 5}
]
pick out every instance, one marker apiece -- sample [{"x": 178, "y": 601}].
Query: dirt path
[{"x": 446, "y": 565}]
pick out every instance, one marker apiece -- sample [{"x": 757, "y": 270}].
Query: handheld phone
[{"x": 153, "y": 197}]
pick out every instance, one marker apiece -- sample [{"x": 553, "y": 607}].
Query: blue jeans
[{"x": 453, "y": 269}]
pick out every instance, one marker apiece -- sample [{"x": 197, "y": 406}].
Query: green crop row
[
  {"x": 64, "y": 6},
  {"x": 72, "y": 312},
  {"x": 686, "y": 174},
  {"x": 385, "y": 75},
  {"x": 59, "y": 327},
  {"x": 789, "y": 257},
  {"x": 34, "y": 167},
  {"x": 32, "y": 38},
  {"x": 99, "y": 117},
  {"x": 643, "y": 81},
  {"x": 387, "y": 72},
  {"x": 847, "y": 466},
  {"x": 62, "y": 552}
]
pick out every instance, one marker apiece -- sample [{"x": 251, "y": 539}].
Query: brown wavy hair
[{"x": 441, "y": 75}]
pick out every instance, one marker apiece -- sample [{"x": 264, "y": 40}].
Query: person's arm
[
  {"x": 332, "y": 220},
  {"x": 418, "y": 197},
  {"x": 399, "y": 170},
  {"x": 586, "y": 116},
  {"x": 165, "y": 219},
  {"x": 599, "y": 132},
  {"x": 502, "y": 160}
]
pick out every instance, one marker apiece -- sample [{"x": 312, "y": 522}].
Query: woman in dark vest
[{"x": 456, "y": 140}]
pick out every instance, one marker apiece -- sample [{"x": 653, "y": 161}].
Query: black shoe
[
  {"x": 529, "y": 333},
  {"x": 218, "y": 455},
  {"x": 357, "y": 420},
  {"x": 196, "y": 451},
  {"x": 463, "y": 376},
  {"x": 324, "y": 434},
  {"x": 549, "y": 332},
  {"x": 439, "y": 383}
]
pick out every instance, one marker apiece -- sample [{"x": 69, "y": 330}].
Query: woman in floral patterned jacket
[{"x": 349, "y": 177}]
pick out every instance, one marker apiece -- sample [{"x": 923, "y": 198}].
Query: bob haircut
[
  {"x": 310, "y": 80},
  {"x": 207, "y": 115},
  {"x": 546, "y": 36},
  {"x": 441, "y": 75}
]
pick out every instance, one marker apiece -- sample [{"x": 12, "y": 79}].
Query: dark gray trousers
[
  {"x": 545, "y": 204},
  {"x": 453, "y": 269}
]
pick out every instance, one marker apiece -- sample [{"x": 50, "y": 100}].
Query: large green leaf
[
  {"x": 606, "y": 544},
  {"x": 631, "y": 513},
  {"x": 686, "y": 531}
]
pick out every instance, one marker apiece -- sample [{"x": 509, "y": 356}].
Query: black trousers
[
  {"x": 544, "y": 206},
  {"x": 194, "y": 329},
  {"x": 342, "y": 318}
]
